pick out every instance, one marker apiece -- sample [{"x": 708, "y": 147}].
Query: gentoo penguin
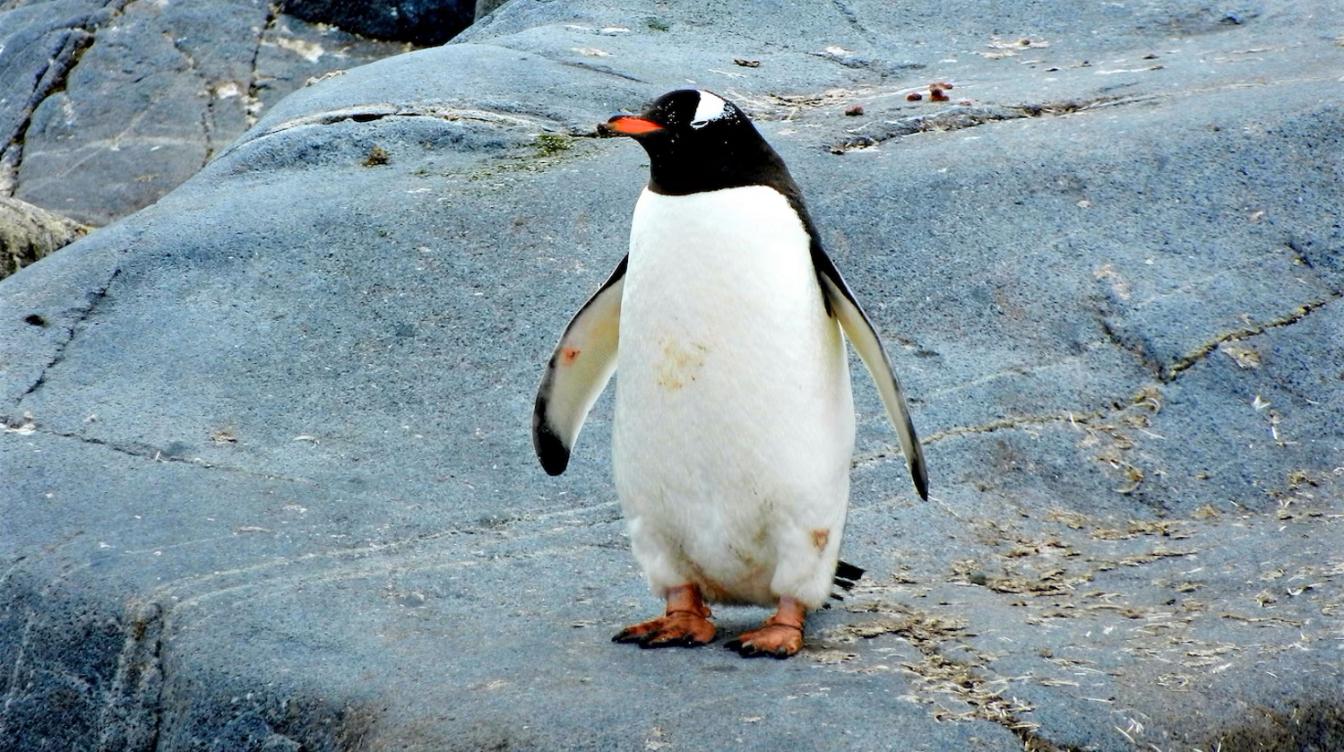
[{"x": 734, "y": 424}]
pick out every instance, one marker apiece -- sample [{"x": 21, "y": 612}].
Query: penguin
[{"x": 734, "y": 424}]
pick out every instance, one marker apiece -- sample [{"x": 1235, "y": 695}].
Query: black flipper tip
[
  {"x": 920, "y": 474},
  {"x": 552, "y": 452}
]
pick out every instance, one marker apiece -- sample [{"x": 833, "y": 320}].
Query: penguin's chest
[
  {"x": 732, "y": 391},
  {"x": 722, "y": 319}
]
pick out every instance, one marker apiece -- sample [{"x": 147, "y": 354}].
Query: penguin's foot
[
  {"x": 685, "y": 624},
  {"x": 779, "y": 637},
  {"x": 673, "y": 630}
]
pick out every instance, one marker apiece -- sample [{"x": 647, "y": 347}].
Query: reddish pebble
[
  {"x": 913, "y": 96},
  {"x": 937, "y": 95},
  {"x": 854, "y": 110}
]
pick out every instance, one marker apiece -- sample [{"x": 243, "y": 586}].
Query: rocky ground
[
  {"x": 105, "y": 105},
  {"x": 268, "y": 477}
]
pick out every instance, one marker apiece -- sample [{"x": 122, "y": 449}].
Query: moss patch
[{"x": 550, "y": 144}]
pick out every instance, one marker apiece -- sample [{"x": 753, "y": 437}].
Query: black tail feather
[
  {"x": 846, "y": 575},
  {"x": 846, "y": 571}
]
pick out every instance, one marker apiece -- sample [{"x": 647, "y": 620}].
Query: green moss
[
  {"x": 550, "y": 144},
  {"x": 377, "y": 156},
  {"x": 547, "y": 149}
]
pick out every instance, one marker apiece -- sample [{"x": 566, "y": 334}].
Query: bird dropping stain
[
  {"x": 680, "y": 364},
  {"x": 819, "y": 538}
]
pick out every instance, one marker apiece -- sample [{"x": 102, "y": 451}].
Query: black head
[{"x": 698, "y": 141}]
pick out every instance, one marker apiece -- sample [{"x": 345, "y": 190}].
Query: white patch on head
[{"x": 711, "y": 107}]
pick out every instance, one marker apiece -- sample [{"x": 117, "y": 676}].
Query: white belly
[{"x": 734, "y": 424}]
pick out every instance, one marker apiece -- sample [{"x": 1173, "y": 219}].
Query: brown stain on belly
[
  {"x": 712, "y": 591},
  {"x": 725, "y": 592},
  {"x": 819, "y": 538},
  {"x": 569, "y": 354},
  {"x": 744, "y": 558},
  {"x": 680, "y": 364}
]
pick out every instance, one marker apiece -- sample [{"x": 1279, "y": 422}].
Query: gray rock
[
  {"x": 425, "y": 22},
  {"x": 269, "y": 484},
  {"x": 486, "y": 7},
  {"x": 27, "y": 233},
  {"x": 39, "y": 44},
  {"x": 107, "y": 106}
]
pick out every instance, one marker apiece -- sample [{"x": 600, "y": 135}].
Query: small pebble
[
  {"x": 854, "y": 110},
  {"x": 913, "y": 96},
  {"x": 937, "y": 95}
]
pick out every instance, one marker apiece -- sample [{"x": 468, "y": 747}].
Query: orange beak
[{"x": 628, "y": 125}]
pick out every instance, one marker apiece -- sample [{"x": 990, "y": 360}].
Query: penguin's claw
[
  {"x": 771, "y": 640},
  {"x": 679, "y": 629},
  {"x": 779, "y": 637}
]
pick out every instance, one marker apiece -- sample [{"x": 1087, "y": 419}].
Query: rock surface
[
  {"x": 27, "y": 233},
  {"x": 426, "y": 22},
  {"x": 268, "y": 477},
  {"x": 105, "y": 105}
]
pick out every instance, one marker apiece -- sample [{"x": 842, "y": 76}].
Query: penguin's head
[
  {"x": 696, "y": 141},
  {"x": 685, "y": 117}
]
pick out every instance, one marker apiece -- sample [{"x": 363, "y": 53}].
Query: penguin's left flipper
[
  {"x": 859, "y": 329},
  {"x": 579, "y": 369}
]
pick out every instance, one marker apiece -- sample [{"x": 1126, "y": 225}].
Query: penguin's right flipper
[
  {"x": 841, "y": 302},
  {"x": 579, "y": 369}
]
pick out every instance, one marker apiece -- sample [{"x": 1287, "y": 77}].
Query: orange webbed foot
[
  {"x": 681, "y": 629},
  {"x": 686, "y": 623},
  {"x": 773, "y": 640},
  {"x": 779, "y": 637}
]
